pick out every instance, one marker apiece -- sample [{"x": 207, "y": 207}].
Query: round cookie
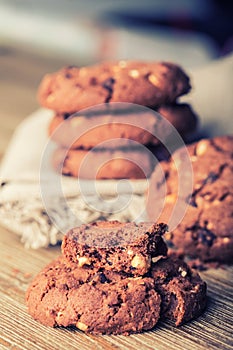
[
  {"x": 107, "y": 302},
  {"x": 72, "y": 89},
  {"x": 80, "y": 130},
  {"x": 89, "y": 131},
  {"x": 134, "y": 163},
  {"x": 206, "y": 229},
  {"x": 122, "y": 247},
  {"x": 99, "y": 303},
  {"x": 182, "y": 291}
]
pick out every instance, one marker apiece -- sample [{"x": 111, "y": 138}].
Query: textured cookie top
[
  {"x": 182, "y": 290},
  {"x": 212, "y": 159},
  {"x": 72, "y": 89},
  {"x": 206, "y": 229},
  {"x": 115, "y": 234},
  {"x": 100, "y": 303},
  {"x": 212, "y": 163},
  {"x": 109, "y": 302},
  {"x": 126, "y": 247}
]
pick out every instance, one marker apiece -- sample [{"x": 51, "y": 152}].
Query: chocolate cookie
[
  {"x": 134, "y": 163},
  {"x": 206, "y": 229},
  {"x": 122, "y": 247},
  {"x": 107, "y": 302},
  {"x": 182, "y": 291},
  {"x": 145, "y": 83},
  {"x": 87, "y": 131},
  {"x": 100, "y": 303}
]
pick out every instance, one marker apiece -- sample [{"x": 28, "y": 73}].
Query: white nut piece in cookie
[
  {"x": 201, "y": 147},
  {"x": 82, "y": 326},
  {"x": 155, "y": 259},
  {"x": 216, "y": 202},
  {"x": 153, "y": 79},
  {"x": 122, "y": 64},
  {"x": 140, "y": 262},
  {"x": 83, "y": 71},
  {"x": 182, "y": 272},
  {"x": 210, "y": 225},
  {"x": 83, "y": 260},
  {"x": 51, "y": 98},
  {"x": 168, "y": 236},
  {"x": 59, "y": 314},
  {"x": 130, "y": 252},
  {"x": 74, "y": 122},
  {"x": 134, "y": 73},
  {"x": 171, "y": 198},
  {"x": 136, "y": 281},
  {"x": 193, "y": 158}
]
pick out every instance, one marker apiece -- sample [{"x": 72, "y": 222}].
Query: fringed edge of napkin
[{"x": 38, "y": 229}]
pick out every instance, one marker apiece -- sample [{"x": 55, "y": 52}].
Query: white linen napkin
[{"x": 42, "y": 218}]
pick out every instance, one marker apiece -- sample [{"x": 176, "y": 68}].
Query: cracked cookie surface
[
  {"x": 100, "y": 303},
  {"x": 182, "y": 291},
  {"x": 205, "y": 232},
  {"x": 122, "y": 247},
  {"x": 107, "y": 302},
  {"x": 145, "y": 83}
]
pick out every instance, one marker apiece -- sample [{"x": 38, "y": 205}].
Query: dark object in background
[{"x": 217, "y": 21}]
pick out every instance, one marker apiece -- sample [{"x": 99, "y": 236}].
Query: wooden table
[{"x": 20, "y": 74}]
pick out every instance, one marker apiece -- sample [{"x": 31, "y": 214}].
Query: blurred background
[{"x": 37, "y": 37}]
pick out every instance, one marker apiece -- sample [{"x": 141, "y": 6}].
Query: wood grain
[{"x": 20, "y": 74}]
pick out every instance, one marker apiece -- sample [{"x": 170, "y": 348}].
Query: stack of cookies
[
  {"x": 115, "y": 278},
  {"x": 98, "y": 112}
]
